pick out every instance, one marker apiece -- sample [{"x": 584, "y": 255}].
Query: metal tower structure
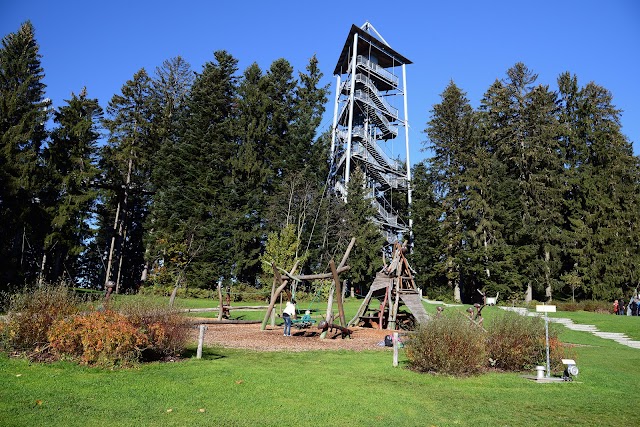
[{"x": 366, "y": 126}]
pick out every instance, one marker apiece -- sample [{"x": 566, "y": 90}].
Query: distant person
[
  {"x": 615, "y": 306},
  {"x": 288, "y": 312},
  {"x": 621, "y": 307},
  {"x": 633, "y": 306}
]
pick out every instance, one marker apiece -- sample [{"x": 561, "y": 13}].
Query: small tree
[{"x": 281, "y": 249}]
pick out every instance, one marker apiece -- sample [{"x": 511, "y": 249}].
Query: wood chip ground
[{"x": 251, "y": 337}]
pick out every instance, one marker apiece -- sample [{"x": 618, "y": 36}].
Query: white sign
[{"x": 546, "y": 308}]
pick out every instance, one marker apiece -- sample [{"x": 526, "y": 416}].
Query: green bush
[
  {"x": 593, "y": 306},
  {"x": 447, "y": 345},
  {"x": 517, "y": 343},
  {"x": 32, "y": 313}
]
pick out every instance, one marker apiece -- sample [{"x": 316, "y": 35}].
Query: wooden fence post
[
  {"x": 200, "y": 341},
  {"x": 395, "y": 349}
]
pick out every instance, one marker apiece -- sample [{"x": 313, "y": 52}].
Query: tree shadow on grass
[{"x": 207, "y": 354}]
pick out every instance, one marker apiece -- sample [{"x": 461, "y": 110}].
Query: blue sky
[{"x": 101, "y": 45}]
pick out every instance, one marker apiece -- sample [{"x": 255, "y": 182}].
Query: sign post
[{"x": 546, "y": 309}]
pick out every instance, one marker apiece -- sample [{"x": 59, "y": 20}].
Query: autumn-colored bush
[
  {"x": 32, "y": 313},
  {"x": 165, "y": 328},
  {"x": 448, "y": 345},
  {"x": 105, "y": 338},
  {"x": 517, "y": 343}
]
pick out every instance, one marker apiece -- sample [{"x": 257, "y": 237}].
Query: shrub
[
  {"x": 105, "y": 338},
  {"x": 32, "y": 313},
  {"x": 447, "y": 345},
  {"x": 517, "y": 343},
  {"x": 165, "y": 328},
  {"x": 594, "y": 306}
]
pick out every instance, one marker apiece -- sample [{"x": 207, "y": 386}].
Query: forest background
[{"x": 533, "y": 194}]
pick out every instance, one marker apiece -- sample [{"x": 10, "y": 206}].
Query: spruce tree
[
  {"x": 524, "y": 135},
  {"x": 601, "y": 209},
  {"x": 171, "y": 87},
  {"x": 127, "y": 164},
  {"x": 23, "y": 114},
  {"x": 71, "y": 164},
  {"x": 192, "y": 205},
  {"x": 366, "y": 256},
  {"x": 428, "y": 239},
  {"x": 451, "y": 131}
]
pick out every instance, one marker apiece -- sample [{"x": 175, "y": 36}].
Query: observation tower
[{"x": 370, "y": 87}]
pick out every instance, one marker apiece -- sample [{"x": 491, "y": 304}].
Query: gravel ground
[{"x": 249, "y": 336}]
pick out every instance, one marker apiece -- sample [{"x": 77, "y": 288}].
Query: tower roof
[{"x": 387, "y": 57}]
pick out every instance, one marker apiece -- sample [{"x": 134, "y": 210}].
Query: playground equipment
[
  {"x": 394, "y": 285},
  {"x": 304, "y": 322},
  {"x": 335, "y": 287}
]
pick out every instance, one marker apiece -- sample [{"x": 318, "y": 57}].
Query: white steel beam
[
  {"x": 354, "y": 53},
  {"x": 335, "y": 118}
]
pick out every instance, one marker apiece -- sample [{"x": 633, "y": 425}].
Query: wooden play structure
[
  {"x": 327, "y": 324},
  {"x": 392, "y": 288}
]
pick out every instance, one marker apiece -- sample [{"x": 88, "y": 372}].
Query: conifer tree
[
  {"x": 192, "y": 205},
  {"x": 23, "y": 114},
  {"x": 171, "y": 86},
  {"x": 71, "y": 163},
  {"x": 601, "y": 208},
  {"x": 127, "y": 164},
  {"x": 366, "y": 256},
  {"x": 427, "y": 234},
  {"x": 524, "y": 135},
  {"x": 451, "y": 131}
]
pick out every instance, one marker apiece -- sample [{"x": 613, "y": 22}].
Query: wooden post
[
  {"x": 336, "y": 280},
  {"x": 220, "y": 312},
  {"x": 329, "y": 314},
  {"x": 382, "y": 307},
  {"x": 200, "y": 341},
  {"x": 395, "y": 349},
  {"x": 273, "y": 312}
]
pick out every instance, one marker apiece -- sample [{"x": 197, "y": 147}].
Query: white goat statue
[{"x": 489, "y": 300}]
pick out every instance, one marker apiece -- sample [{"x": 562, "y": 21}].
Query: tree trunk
[
  {"x": 44, "y": 262},
  {"x": 113, "y": 245},
  {"x": 547, "y": 273}
]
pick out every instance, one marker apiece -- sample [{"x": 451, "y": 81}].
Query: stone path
[{"x": 569, "y": 324}]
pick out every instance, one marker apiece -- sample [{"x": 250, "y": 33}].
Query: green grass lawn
[{"x": 335, "y": 388}]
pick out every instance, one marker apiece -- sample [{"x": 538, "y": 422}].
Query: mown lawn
[{"x": 336, "y": 388}]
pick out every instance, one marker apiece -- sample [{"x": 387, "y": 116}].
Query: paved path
[{"x": 568, "y": 323}]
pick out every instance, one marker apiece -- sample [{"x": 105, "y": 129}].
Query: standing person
[
  {"x": 621, "y": 307},
  {"x": 288, "y": 312},
  {"x": 634, "y": 306},
  {"x": 615, "y": 307}
]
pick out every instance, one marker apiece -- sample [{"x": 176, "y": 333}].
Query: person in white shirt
[{"x": 288, "y": 312}]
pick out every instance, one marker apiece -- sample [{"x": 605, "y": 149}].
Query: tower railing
[
  {"x": 381, "y": 72},
  {"x": 380, "y": 102},
  {"x": 388, "y": 130}
]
